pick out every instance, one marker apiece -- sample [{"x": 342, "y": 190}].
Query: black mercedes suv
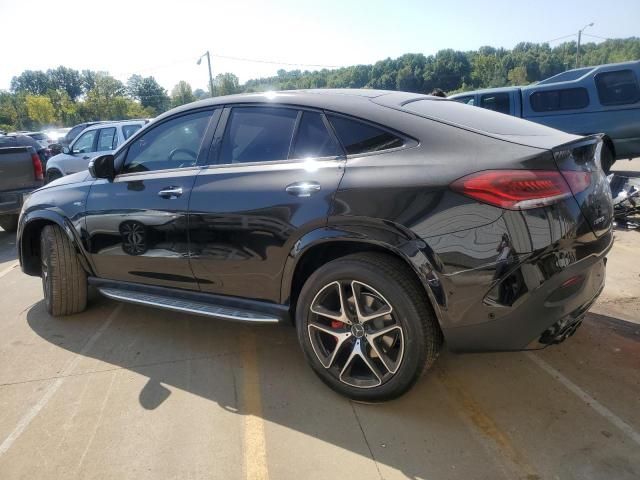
[{"x": 381, "y": 224}]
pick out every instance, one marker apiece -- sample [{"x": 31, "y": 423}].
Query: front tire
[
  {"x": 366, "y": 328},
  {"x": 52, "y": 175},
  {"x": 64, "y": 281}
]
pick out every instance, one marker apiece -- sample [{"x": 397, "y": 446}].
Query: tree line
[{"x": 64, "y": 96}]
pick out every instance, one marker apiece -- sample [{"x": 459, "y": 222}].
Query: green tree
[
  {"x": 33, "y": 82},
  {"x": 181, "y": 94},
  {"x": 518, "y": 75},
  {"x": 40, "y": 109},
  {"x": 67, "y": 79},
  {"x": 226, "y": 84},
  {"x": 149, "y": 93}
]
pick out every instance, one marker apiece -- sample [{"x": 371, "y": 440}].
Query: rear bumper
[
  {"x": 11, "y": 202},
  {"x": 542, "y": 315}
]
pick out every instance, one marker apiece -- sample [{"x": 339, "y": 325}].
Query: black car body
[{"x": 503, "y": 224}]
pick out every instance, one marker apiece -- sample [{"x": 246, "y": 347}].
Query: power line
[
  {"x": 273, "y": 62},
  {"x": 595, "y": 36},
  {"x": 560, "y": 38}
]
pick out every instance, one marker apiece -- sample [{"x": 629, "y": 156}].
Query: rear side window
[
  {"x": 128, "y": 130},
  {"x": 498, "y": 102},
  {"x": 617, "y": 88},
  {"x": 357, "y": 137},
  {"x": 313, "y": 139},
  {"x": 108, "y": 140},
  {"x": 258, "y": 134},
  {"x": 468, "y": 100},
  {"x": 566, "y": 99}
]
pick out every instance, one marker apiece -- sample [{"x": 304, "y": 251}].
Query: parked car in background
[
  {"x": 20, "y": 174},
  {"x": 379, "y": 222},
  {"x": 603, "y": 99},
  {"x": 55, "y": 135},
  {"x": 39, "y": 137},
  {"x": 101, "y": 138}
]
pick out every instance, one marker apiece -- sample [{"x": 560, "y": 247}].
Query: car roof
[
  {"x": 578, "y": 73},
  {"x": 345, "y": 100},
  {"x": 115, "y": 123},
  {"x": 484, "y": 91}
]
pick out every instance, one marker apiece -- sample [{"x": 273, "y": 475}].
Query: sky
[{"x": 165, "y": 39}]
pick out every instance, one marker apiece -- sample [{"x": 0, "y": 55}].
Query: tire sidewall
[
  {"x": 47, "y": 285},
  {"x": 405, "y": 313}
]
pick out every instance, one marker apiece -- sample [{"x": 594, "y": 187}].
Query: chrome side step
[{"x": 186, "y": 306}]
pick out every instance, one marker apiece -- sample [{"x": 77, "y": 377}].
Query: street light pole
[
  {"x": 206, "y": 54},
  {"x": 578, "y": 47}
]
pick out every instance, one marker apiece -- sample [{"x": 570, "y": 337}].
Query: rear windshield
[{"x": 479, "y": 119}]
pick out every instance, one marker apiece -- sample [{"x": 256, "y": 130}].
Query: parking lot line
[
  {"x": 255, "y": 450},
  {"x": 11, "y": 266},
  {"x": 26, "y": 420},
  {"x": 586, "y": 398},
  {"x": 508, "y": 456}
]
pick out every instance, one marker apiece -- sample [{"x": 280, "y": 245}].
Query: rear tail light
[
  {"x": 516, "y": 189},
  {"x": 578, "y": 181},
  {"x": 37, "y": 167}
]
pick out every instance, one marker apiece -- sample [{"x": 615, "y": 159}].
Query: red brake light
[
  {"x": 37, "y": 167},
  {"x": 514, "y": 189}
]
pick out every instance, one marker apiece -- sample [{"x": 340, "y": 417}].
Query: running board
[{"x": 186, "y": 306}]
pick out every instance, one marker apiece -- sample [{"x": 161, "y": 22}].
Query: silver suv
[{"x": 94, "y": 141}]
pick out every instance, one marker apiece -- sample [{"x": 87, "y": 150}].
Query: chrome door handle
[
  {"x": 170, "y": 192},
  {"x": 303, "y": 189}
]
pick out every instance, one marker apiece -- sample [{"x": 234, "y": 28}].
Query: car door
[
  {"x": 136, "y": 225},
  {"x": 82, "y": 150},
  {"x": 275, "y": 173}
]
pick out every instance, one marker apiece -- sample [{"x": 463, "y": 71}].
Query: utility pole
[
  {"x": 206, "y": 54},
  {"x": 578, "y": 47}
]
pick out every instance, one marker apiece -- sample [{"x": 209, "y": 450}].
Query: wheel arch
[
  {"x": 323, "y": 245},
  {"x": 29, "y": 231}
]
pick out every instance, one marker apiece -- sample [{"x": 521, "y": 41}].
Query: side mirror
[
  {"x": 102, "y": 167},
  {"x": 66, "y": 150}
]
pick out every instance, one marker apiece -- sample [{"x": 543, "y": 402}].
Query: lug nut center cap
[{"x": 357, "y": 330}]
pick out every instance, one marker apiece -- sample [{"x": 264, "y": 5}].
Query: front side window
[
  {"x": 468, "y": 100},
  {"x": 313, "y": 139},
  {"x": 358, "y": 138},
  {"x": 107, "y": 140},
  {"x": 173, "y": 144},
  {"x": 566, "y": 99},
  {"x": 617, "y": 88},
  {"x": 85, "y": 142},
  {"x": 128, "y": 130},
  {"x": 258, "y": 134},
  {"x": 498, "y": 102},
  {"x": 74, "y": 132}
]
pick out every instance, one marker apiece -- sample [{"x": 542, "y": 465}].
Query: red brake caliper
[{"x": 337, "y": 324}]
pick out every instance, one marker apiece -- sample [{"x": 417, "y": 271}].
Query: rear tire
[
  {"x": 9, "y": 223},
  {"x": 354, "y": 356},
  {"x": 64, "y": 281}
]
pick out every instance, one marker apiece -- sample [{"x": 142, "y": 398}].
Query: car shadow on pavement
[{"x": 443, "y": 428}]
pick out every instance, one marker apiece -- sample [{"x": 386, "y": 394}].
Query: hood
[{"x": 67, "y": 179}]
